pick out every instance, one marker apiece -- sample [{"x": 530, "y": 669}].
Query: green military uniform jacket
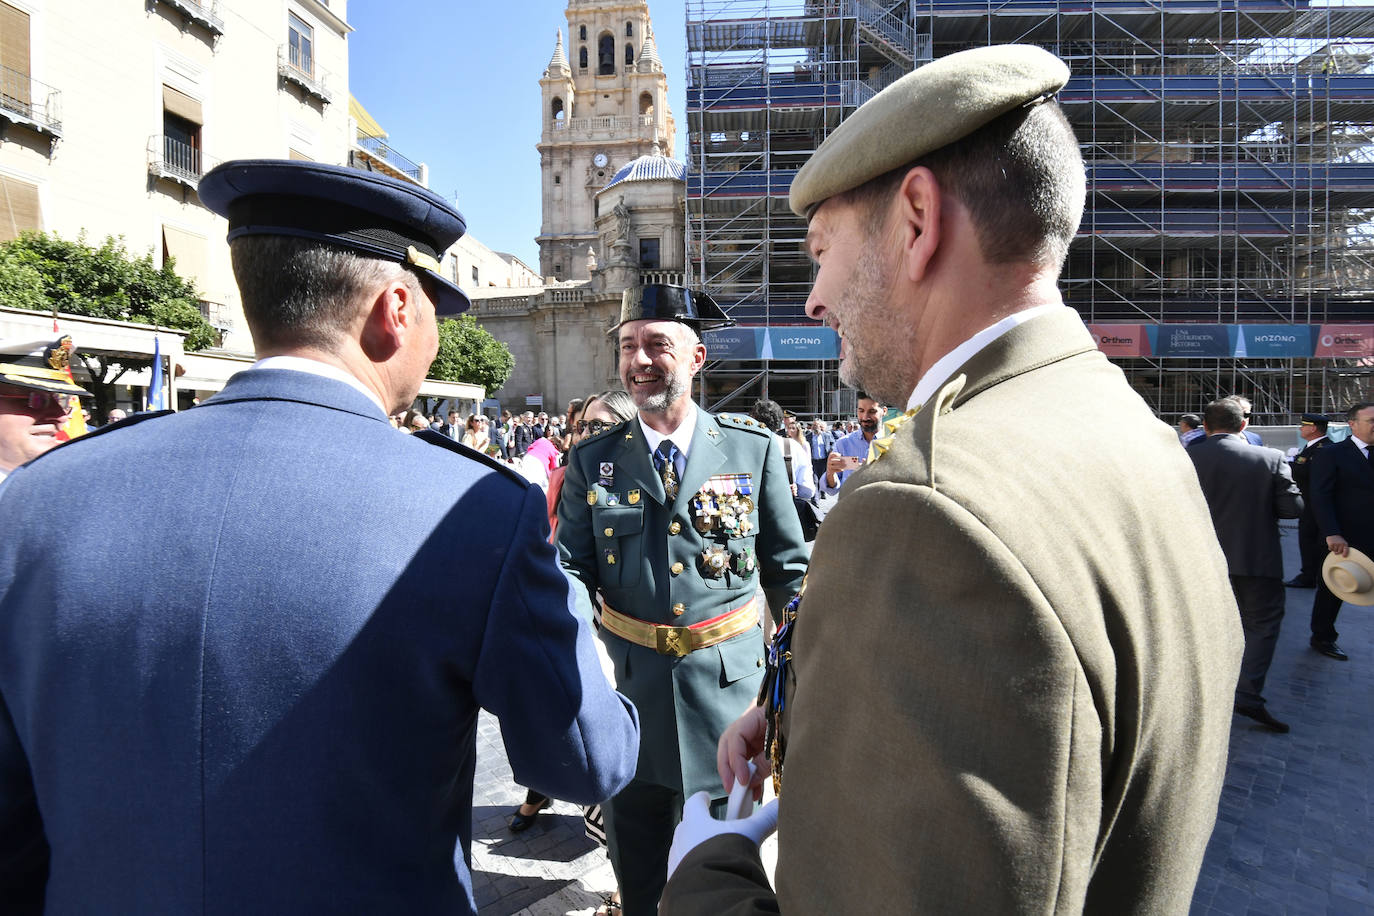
[
  {"x": 617, "y": 536},
  {"x": 1015, "y": 663}
]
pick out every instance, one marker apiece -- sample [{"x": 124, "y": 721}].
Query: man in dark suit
[
  {"x": 524, "y": 434},
  {"x": 1248, "y": 489},
  {"x": 1310, "y": 546},
  {"x": 278, "y": 713},
  {"x": 453, "y": 429},
  {"x": 1343, "y": 500}
]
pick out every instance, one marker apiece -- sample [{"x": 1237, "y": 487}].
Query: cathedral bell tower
[{"x": 604, "y": 102}]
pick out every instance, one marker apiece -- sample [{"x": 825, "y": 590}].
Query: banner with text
[
  {"x": 1121, "y": 339},
  {"x": 778, "y": 343},
  {"x": 1348, "y": 341}
]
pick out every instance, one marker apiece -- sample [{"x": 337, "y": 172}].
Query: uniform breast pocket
[
  {"x": 741, "y": 657},
  {"x": 619, "y": 544}
]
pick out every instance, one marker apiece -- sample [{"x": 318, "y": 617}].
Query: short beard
[
  {"x": 676, "y": 389},
  {"x": 869, "y": 288}
]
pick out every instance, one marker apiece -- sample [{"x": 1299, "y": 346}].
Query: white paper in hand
[{"x": 741, "y": 801}]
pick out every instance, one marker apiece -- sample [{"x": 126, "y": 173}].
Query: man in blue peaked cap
[{"x": 278, "y": 713}]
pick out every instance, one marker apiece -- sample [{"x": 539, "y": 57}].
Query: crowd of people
[{"x": 978, "y": 685}]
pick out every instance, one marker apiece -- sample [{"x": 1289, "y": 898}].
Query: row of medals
[{"x": 728, "y": 513}]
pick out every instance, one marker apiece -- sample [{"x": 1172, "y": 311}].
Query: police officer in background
[
  {"x": 677, "y": 518},
  {"x": 1310, "y": 543},
  {"x": 278, "y": 714}
]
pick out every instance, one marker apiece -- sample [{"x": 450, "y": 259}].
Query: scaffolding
[{"x": 1229, "y": 150}]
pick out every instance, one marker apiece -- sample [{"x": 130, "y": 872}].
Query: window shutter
[
  {"x": 15, "y": 89},
  {"x": 14, "y": 39},
  {"x": 18, "y": 208}
]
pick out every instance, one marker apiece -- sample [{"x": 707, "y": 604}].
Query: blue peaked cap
[{"x": 361, "y": 211}]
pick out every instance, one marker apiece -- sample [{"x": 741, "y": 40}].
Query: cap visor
[
  {"x": 21, "y": 380},
  {"x": 452, "y": 300}
]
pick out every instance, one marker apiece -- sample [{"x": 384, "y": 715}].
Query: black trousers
[
  {"x": 1311, "y": 545},
  {"x": 1325, "y": 607},
  {"x": 639, "y": 830},
  {"x": 1261, "y": 600}
]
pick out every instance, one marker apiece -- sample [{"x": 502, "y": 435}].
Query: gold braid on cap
[{"x": 420, "y": 259}]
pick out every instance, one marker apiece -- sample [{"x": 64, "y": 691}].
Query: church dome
[{"x": 649, "y": 168}]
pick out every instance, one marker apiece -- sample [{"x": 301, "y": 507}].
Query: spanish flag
[{"x": 59, "y": 357}]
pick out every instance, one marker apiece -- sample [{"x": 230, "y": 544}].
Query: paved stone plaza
[{"x": 1294, "y": 833}]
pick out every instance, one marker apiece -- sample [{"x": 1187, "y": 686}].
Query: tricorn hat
[
  {"x": 39, "y": 365},
  {"x": 662, "y": 302},
  {"x": 1350, "y": 578},
  {"x": 365, "y": 212}
]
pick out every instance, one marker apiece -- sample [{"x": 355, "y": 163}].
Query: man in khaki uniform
[{"x": 1016, "y": 707}]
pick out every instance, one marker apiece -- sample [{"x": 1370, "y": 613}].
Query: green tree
[
  {"x": 44, "y": 272},
  {"x": 468, "y": 353}
]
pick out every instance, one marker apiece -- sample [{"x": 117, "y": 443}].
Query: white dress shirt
[
  {"x": 681, "y": 436},
  {"x": 315, "y": 367},
  {"x": 936, "y": 376}
]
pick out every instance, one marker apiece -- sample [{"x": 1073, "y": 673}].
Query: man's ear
[
  {"x": 698, "y": 357},
  {"x": 919, "y": 199},
  {"x": 392, "y": 313}
]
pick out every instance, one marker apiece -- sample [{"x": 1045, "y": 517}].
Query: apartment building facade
[{"x": 110, "y": 113}]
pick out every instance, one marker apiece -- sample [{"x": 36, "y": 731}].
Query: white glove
[{"x": 698, "y": 826}]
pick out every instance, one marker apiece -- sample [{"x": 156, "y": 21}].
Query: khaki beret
[{"x": 930, "y": 107}]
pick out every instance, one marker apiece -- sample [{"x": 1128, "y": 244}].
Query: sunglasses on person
[
  {"x": 592, "y": 427},
  {"x": 39, "y": 400}
]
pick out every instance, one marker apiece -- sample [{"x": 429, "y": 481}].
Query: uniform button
[
  {"x": 676, "y": 568},
  {"x": 610, "y": 532},
  {"x": 678, "y": 610},
  {"x": 675, "y": 527},
  {"x": 758, "y": 663}
]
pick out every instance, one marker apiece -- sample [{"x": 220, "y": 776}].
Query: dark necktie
[{"x": 665, "y": 462}]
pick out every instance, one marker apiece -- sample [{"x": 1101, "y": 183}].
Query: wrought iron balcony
[
  {"x": 24, "y": 100},
  {"x": 177, "y": 160},
  {"x": 301, "y": 69},
  {"x": 204, "y": 13},
  {"x": 378, "y": 148}
]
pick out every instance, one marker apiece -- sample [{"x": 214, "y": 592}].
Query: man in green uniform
[{"x": 676, "y": 518}]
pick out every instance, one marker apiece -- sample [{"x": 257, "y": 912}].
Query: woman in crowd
[
  {"x": 803, "y": 478},
  {"x": 475, "y": 434},
  {"x": 597, "y": 412}
]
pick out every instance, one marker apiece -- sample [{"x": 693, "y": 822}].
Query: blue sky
[{"x": 455, "y": 84}]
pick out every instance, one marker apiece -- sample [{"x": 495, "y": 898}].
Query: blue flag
[{"x": 156, "y": 400}]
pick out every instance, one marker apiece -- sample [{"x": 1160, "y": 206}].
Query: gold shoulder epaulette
[{"x": 735, "y": 421}]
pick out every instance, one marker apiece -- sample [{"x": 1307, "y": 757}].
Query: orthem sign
[
  {"x": 1121, "y": 339},
  {"x": 1348, "y": 341}
]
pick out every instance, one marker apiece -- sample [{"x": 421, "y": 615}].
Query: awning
[
  {"x": 367, "y": 126},
  {"x": 176, "y": 102},
  {"x": 192, "y": 254},
  {"x": 18, "y": 207}
]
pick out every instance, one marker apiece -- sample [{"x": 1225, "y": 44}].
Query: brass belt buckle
[{"x": 674, "y": 641}]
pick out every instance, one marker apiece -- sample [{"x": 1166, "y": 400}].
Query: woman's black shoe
[{"x": 521, "y": 822}]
